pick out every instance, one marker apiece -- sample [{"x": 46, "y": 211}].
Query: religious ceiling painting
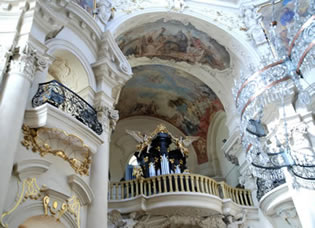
[
  {"x": 174, "y": 40},
  {"x": 88, "y": 5},
  {"x": 284, "y": 14},
  {"x": 174, "y": 96}
]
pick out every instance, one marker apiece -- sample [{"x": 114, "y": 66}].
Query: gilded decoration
[
  {"x": 31, "y": 191},
  {"x": 59, "y": 143},
  {"x": 145, "y": 140},
  {"x": 57, "y": 209}
]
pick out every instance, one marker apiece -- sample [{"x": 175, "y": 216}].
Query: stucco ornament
[
  {"x": 26, "y": 61},
  {"x": 234, "y": 221},
  {"x": 104, "y": 11},
  {"x": 251, "y": 23},
  {"x": 115, "y": 219},
  {"x": 177, "y": 5},
  {"x": 5, "y": 54},
  {"x": 290, "y": 217},
  {"x": 107, "y": 117}
]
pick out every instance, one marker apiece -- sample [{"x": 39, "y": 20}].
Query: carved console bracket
[
  {"x": 31, "y": 168},
  {"x": 59, "y": 143},
  {"x": 82, "y": 190},
  {"x": 232, "y": 148}
]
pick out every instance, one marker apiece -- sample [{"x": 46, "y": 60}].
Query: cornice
[{"x": 54, "y": 14}]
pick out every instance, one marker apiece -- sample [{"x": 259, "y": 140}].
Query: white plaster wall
[{"x": 229, "y": 171}]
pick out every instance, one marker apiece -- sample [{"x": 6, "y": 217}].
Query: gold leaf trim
[{"x": 31, "y": 140}]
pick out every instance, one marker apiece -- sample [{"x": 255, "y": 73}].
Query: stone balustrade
[{"x": 173, "y": 183}]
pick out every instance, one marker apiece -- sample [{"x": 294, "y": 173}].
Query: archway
[{"x": 42, "y": 221}]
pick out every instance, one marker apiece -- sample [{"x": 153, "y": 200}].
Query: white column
[
  {"x": 13, "y": 101},
  {"x": 97, "y": 212}
]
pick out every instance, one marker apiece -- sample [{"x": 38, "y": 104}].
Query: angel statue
[
  {"x": 183, "y": 143},
  {"x": 142, "y": 139}
]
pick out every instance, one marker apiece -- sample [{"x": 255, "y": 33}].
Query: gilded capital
[{"x": 26, "y": 62}]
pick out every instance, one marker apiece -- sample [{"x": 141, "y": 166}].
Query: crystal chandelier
[{"x": 268, "y": 150}]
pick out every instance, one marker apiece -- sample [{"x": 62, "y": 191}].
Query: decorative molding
[
  {"x": 289, "y": 215},
  {"x": 72, "y": 205},
  {"x": 25, "y": 61},
  {"x": 48, "y": 116},
  {"x": 107, "y": 117},
  {"x": 41, "y": 140},
  {"x": 31, "y": 167},
  {"x": 274, "y": 199},
  {"x": 5, "y": 55},
  {"x": 112, "y": 64},
  {"x": 54, "y": 203},
  {"x": 30, "y": 190},
  {"x": 233, "y": 147},
  {"x": 71, "y": 15},
  {"x": 82, "y": 190}
]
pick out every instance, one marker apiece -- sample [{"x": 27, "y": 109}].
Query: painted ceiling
[
  {"x": 174, "y": 96},
  {"x": 174, "y": 40},
  {"x": 284, "y": 14}
]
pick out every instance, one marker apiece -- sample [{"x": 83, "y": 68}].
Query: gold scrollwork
[
  {"x": 137, "y": 172},
  {"x": 162, "y": 129},
  {"x": 30, "y": 190},
  {"x": 32, "y": 140},
  {"x": 72, "y": 205}
]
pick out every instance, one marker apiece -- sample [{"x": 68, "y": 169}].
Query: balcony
[
  {"x": 61, "y": 97},
  {"x": 176, "y": 190}
]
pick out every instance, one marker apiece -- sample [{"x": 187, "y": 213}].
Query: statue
[
  {"x": 234, "y": 223},
  {"x": 104, "y": 11},
  {"x": 177, "y": 5},
  {"x": 184, "y": 143}
]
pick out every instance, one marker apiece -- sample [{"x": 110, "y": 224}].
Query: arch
[
  {"x": 218, "y": 119},
  {"x": 33, "y": 208},
  {"x": 204, "y": 23},
  {"x": 40, "y": 221},
  {"x": 236, "y": 43},
  {"x": 58, "y": 44}
]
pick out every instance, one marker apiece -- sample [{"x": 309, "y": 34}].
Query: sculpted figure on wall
[
  {"x": 235, "y": 222},
  {"x": 177, "y": 5},
  {"x": 104, "y": 11}
]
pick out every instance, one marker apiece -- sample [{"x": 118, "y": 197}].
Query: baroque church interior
[{"x": 157, "y": 113}]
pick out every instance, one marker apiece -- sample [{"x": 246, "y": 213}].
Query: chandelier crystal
[{"x": 279, "y": 76}]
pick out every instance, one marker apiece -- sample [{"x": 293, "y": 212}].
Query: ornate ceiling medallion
[{"x": 59, "y": 143}]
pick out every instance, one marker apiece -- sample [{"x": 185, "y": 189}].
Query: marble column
[
  {"x": 97, "y": 212},
  {"x": 21, "y": 72}
]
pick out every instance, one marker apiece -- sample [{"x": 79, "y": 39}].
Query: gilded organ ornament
[
  {"x": 59, "y": 143},
  {"x": 160, "y": 152}
]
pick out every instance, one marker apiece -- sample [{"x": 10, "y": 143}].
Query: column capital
[
  {"x": 107, "y": 116},
  {"x": 26, "y": 61}
]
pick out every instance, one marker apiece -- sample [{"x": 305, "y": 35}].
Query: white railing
[{"x": 178, "y": 183}]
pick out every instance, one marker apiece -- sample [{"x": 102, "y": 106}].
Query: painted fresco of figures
[
  {"x": 174, "y": 40},
  {"x": 88, "y": 5},
  {"x": 174, "y": 96}
]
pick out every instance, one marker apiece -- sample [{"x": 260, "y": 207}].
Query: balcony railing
[
  {"x": 178, "y": 183},
  {"x": 263, "y": 188},
  {"x": 65, "y": 99}
]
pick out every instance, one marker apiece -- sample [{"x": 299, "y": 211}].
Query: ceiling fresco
[
  {"x": 284, "y": 14},
  {"x": 174, "y": 96},
  {"x": 174, "y": 40}
]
